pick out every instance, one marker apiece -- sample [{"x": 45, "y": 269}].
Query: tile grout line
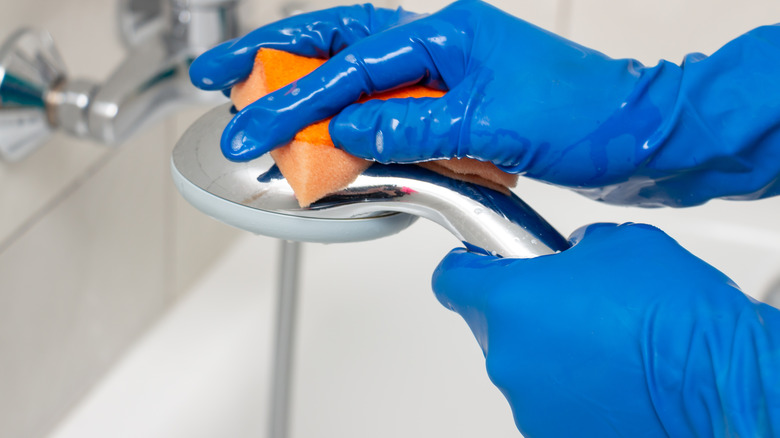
[{"x": 71, "y": 188}]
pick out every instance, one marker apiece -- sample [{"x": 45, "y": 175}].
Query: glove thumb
[{"x": 459, "y": 283}]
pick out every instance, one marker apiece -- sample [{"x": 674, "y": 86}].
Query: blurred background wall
[{"x": 96, "y": 245}]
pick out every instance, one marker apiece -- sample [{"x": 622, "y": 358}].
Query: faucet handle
[
  {"x": 36, "y": 96},
  {"x": 30, "y": 67}
]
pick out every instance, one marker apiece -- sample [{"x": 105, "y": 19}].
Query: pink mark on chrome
[
  {"x": 293, "y": 87},
  {"x": 407, "y": 191}
]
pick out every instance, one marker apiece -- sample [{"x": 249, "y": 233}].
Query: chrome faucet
[{"x": 163, "y": 38}]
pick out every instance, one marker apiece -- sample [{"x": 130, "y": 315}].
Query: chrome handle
[{"x": 31, "y": 72}]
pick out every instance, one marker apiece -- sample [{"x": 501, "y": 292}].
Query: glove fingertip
[
  {"x": 580, "y": 233},
  {"x": 221, "y": 67},
  {"x": 457, "y": 281},
  {"x": 626, "y": 231},
  {"x": 459, "y": 257},
  {"x": 237, "y": 143}
]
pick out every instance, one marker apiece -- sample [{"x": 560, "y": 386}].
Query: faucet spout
[
  {"x": 154, "y": 79},
  {"x": 152, "y": 82}
]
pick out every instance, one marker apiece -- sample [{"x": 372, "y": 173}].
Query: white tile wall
[
  {"x": 78, "y": 285},
  {"x": 80, "y": 280},
  {"x": 94, "y": 243}
]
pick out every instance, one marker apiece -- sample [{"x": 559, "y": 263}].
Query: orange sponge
[{"x": 311, "y": 164}]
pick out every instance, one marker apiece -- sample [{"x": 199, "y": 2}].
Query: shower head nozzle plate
[{"x": 254, "y": 197}]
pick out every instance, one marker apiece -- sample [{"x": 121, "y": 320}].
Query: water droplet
[
  {"x": 534, "y": 242},
  {"x": 478, "y": 211}
]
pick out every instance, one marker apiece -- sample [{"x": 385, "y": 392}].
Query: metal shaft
[{"x": 281, "y": 379}]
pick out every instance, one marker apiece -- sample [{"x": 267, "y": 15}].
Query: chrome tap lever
[{"x": 30, "y": 68}]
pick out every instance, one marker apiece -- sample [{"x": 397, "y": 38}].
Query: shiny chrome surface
[
  {"x": 199, "y": 23},
  {"x": 29, "y": 67},
  {"x": 164, "y": 37},
  {"x": 225, "y": 190},
  {"x": 255, "y": 196},
  {"x": 151, "y": 82},
  {"x": 68, "y": 106},
  {"x": 138, "y": 20}
]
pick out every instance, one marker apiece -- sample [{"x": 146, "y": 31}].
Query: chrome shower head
[{"x": 384, "y": 200}]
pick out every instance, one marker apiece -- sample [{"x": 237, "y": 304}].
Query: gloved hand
[
  {"x": 625, "y": 334},
  {"x": 523, "y": 98}
]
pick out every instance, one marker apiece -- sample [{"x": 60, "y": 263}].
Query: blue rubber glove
[
  {"x": 523, "y": 98},
  {"x": 319, "y": 34},
  {"x": 626, "y": 334}
]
